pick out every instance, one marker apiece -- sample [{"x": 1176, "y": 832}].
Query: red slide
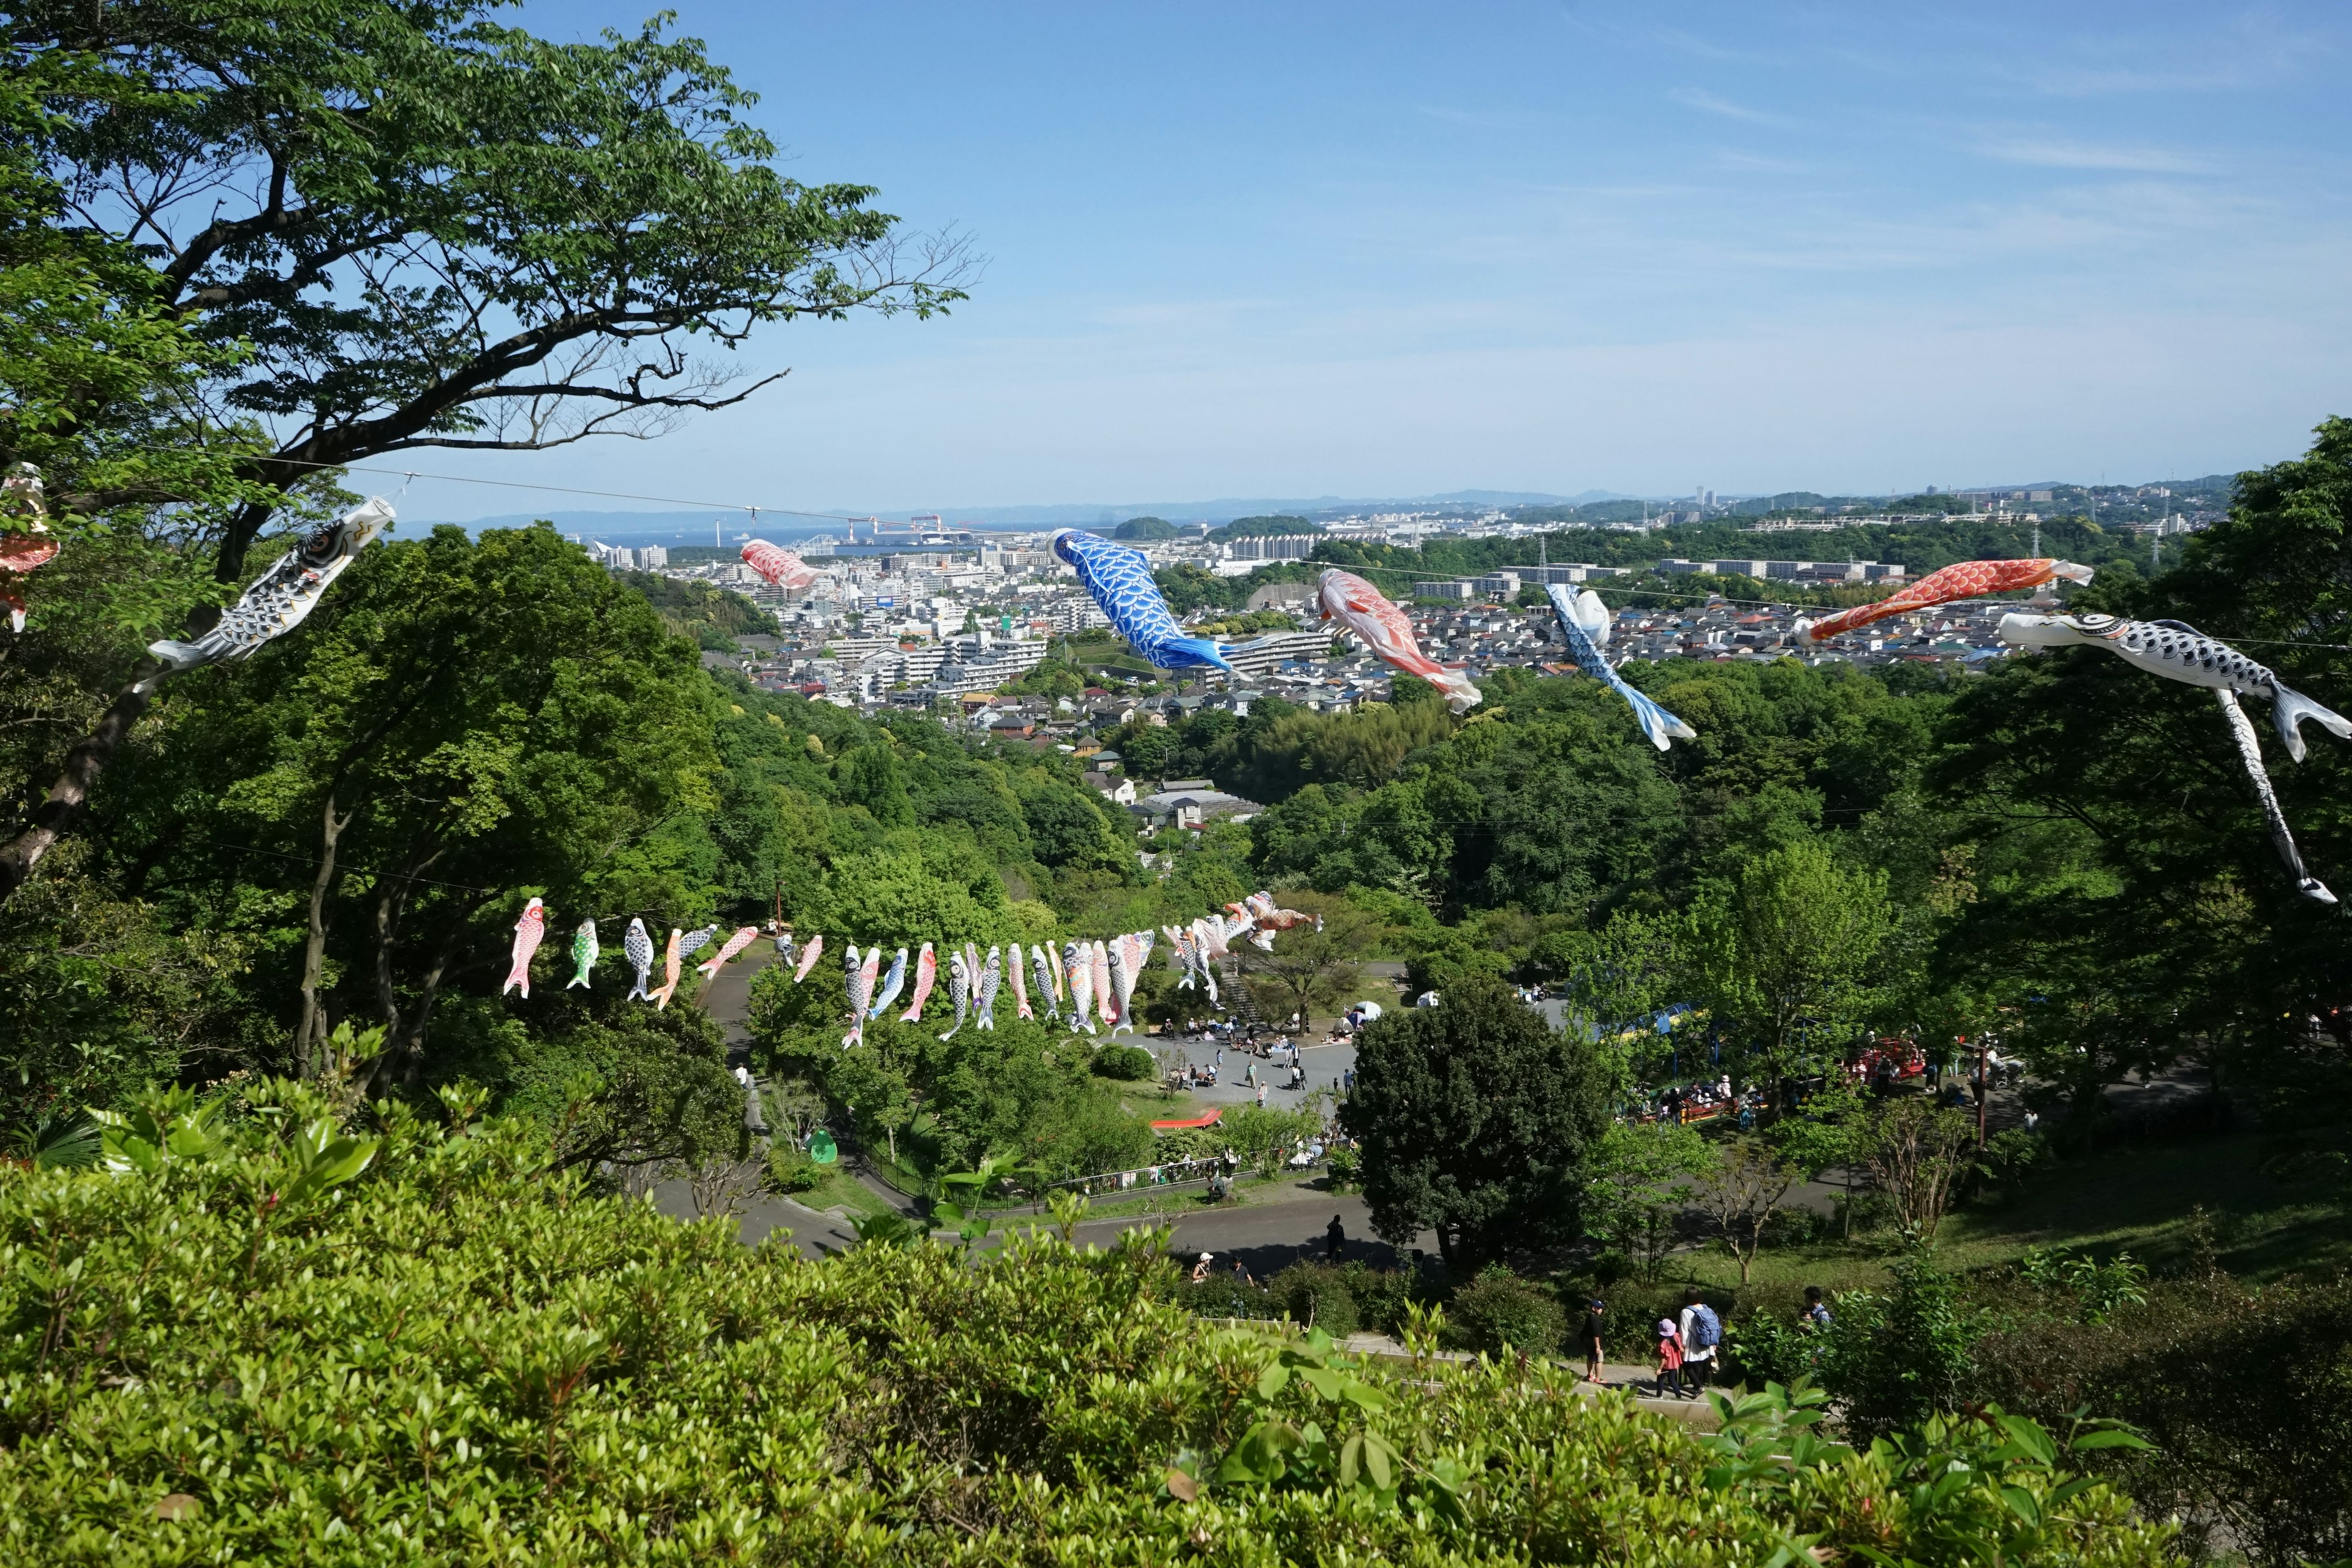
[{"x": 1207, "y": 1120}]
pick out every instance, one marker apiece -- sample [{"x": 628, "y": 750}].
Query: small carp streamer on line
[
  {"x": 779, "y": 566},
  {"x": 2178, "y": 651},
  {"x": 24, "y": 551},
  {"x": 892, "y": 983},
  {"x": 926, "y": 970},
  {"x": 583, "y": 952},
  {"x": 1120, "y": 580},
  {"x": 528, "y": 932},
  {"x": 639, "y": 949},
  {"x": 960, "y": 983},
  {"x": 669, "y": 973},
  {"x": 744, "y": 936},
  {"x": 861, "y": 991}
]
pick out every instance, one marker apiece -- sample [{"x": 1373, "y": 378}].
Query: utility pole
[{"x": 1984, "y": 1088}]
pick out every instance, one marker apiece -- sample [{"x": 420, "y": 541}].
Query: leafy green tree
[
  {"x": 1738, "y": 1189},
  {"x": 1830, "y": 1131},
  {"x": 1786, "y": 958},
  {"x": 464, "y": 723},
  {"x": 1620, "y": 976},
  {"x": 1898, "y": 1356},
  {"x": 364, "y": 230},
  {"x": 1640, "y": 1187},
  {"x": 869, "y": 777},
  {"x": 1069, "y": 828},
  {"x": 1478, "y": 1122}
]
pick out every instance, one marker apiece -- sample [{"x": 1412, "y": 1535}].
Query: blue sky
[{"x": 1387, "y": 249}]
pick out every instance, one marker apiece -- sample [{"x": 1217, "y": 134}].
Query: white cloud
[
  {"x": 2061, "y": 153},
  {"x": 1707, "y": 103}
]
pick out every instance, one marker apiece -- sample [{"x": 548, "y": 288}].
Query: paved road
[
  {"x": 1267, "y": 1236},
  {"x": 1325, "y": 1066},
  {"x": 727, "y": 997}
]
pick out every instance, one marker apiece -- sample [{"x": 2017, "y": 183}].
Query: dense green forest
[
  {"x": 705, "y": 612},
  {"x": 345, "y": 827}
]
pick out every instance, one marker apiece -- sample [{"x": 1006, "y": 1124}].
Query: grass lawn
[
  {"x": 2133, "y": 1199},
  {"x": 841, "y": 1190}
]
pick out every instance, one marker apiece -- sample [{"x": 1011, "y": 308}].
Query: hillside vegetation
[{"x": 259, "y": 1343}]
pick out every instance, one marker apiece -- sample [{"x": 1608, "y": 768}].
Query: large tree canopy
[
  {"x": 252, "y": 242},
  {"x": 432, "y": 229},
  {"x": 1478, "y": 1122}
]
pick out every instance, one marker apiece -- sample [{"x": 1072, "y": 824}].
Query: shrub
[
  {"x": 1126, "y": 1063},
  {"x": 1380, "y": 1295},
  {"x": 2247, "y": 1395},
  {"x": 238, "y": 1350},
  {"x": 1499, "y": 1311},
  {"x": 1894, "y": 1359},
  {"x": 2008, "y": 1165},
  {"x": 1770, "y": 1347},
  {"x": 1345, "y": 1167},
  {"x": 1221, "y": 1295},
  {"x": 791, "y": 1171},
  {"x": 1316, "y": 1295}
]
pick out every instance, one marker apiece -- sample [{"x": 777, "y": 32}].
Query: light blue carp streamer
[
  {"x": 1119, "y": 579},
  {"x": 891, "y": 985},
  {"x": 1584, "y": 621}
]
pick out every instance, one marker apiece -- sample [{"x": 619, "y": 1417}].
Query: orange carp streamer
[
  {"x": 1962, "y": 580},
  {"x": 1385, "y": 629}
]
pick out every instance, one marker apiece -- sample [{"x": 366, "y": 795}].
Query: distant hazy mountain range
[{"x": 694, "y": 527}]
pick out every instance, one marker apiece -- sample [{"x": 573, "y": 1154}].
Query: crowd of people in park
[
  {"x": 1284, "y": 1066},
  {"x": 1681, "y": 1104}
]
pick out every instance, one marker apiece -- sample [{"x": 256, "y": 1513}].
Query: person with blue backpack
[{"x": 1701, "y": 1332}]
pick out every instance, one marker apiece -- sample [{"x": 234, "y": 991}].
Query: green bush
[
  {"x": 791, "y": 1171},
  {"x": 1896, "y": 1358},
  {"x": 1345, "y": 1167},
  {"x": 1499, "y": 1311},
  {"x": 237, "y": 1349},
  {"x": 1380, "y": 1295},
  {"x": 1316, "y": 1295},
  {"x": 2247, "y": 1395},
  {"x": 1222, "y": 1296},
  {"x": 1126, "y": 1063}
]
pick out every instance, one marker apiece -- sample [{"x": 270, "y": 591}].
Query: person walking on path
[
  {"x": 1702, "y": 1331},
  {"x": 1261, "y": 1097},
  {"x": 1335, "y": 1236},
  {"x": 1588, "y": 1335},
  {"x": 1670, "y": 1357}
]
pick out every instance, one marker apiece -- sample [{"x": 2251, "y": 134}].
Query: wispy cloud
[
  {"x": 1753, "y": 163},
  {"x": 2062, "y": 152},
  {"x": 1707, "y": 103},
  {"x": 2242, "y": 51}
]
